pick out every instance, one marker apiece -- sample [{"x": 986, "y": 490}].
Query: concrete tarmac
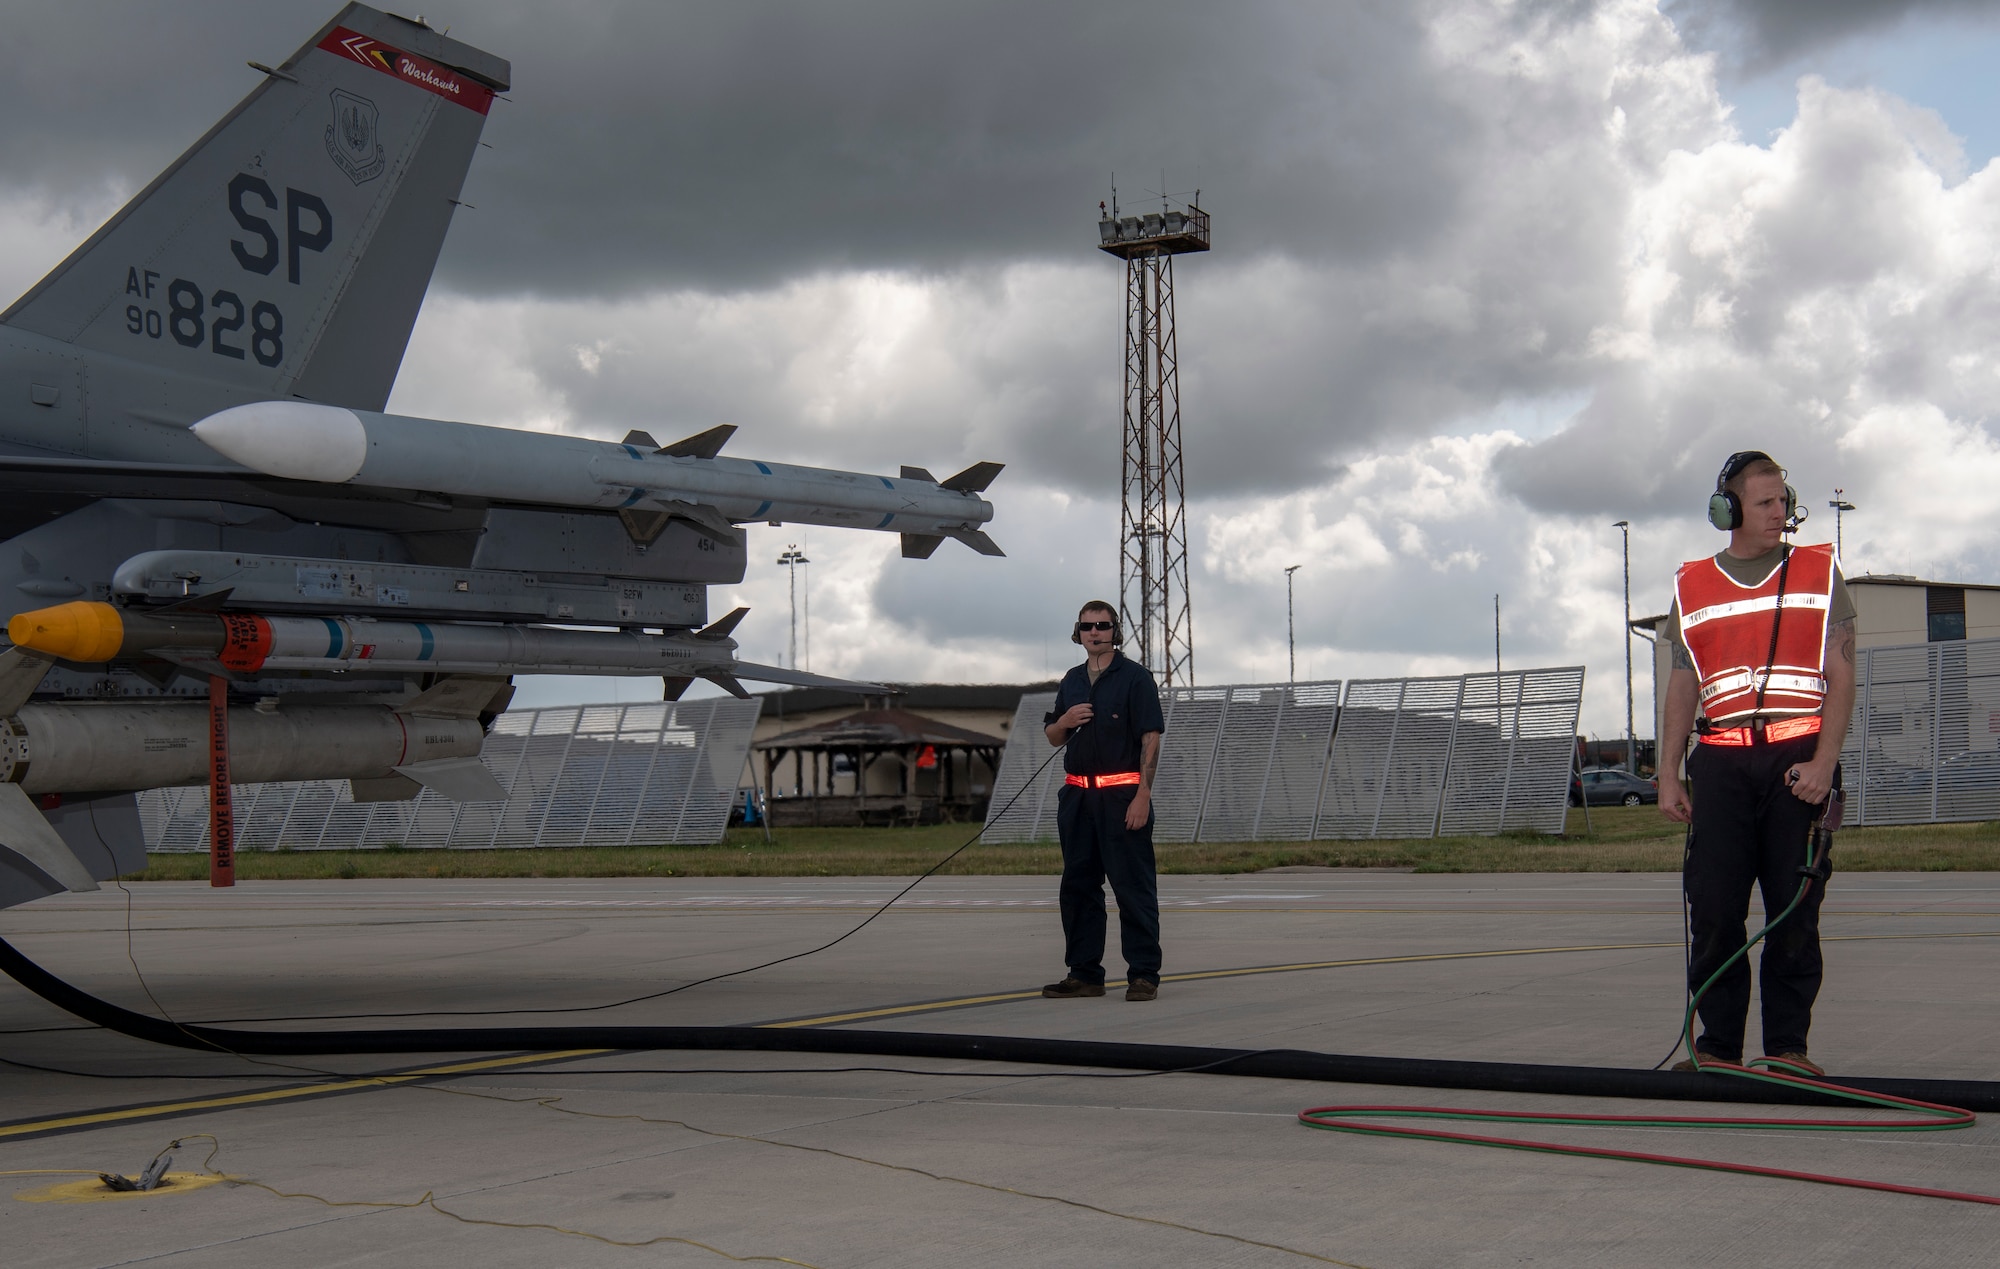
[{"x": 709, "y": 1158}]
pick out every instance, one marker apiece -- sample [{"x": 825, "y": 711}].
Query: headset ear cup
[
  {"x": 1724, "y": 511},
  {"x": 1074, "y": 637},
  {"x": 1791, "y": 503}
]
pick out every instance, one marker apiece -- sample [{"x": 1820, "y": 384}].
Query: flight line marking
[
  {"x": 126, "y": 1114},
  {"x": 359, "y": 1084}
]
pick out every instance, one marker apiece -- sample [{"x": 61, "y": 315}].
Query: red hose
[{"x": 1933, "y": 1117}]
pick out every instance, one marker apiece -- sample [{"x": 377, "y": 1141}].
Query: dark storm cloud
[
  {"x": 1753, "y": 34},
  {"x": 723, "y": 146}
]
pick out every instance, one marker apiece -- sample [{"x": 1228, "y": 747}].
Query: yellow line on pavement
[
  {"x": 963, "y": 1001},
  {"x": 268, "y": 1095}
]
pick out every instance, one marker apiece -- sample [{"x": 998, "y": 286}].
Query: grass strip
[{"x": 1624, "y": 840}]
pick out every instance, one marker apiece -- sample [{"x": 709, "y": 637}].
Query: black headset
[
  {"x": 1725, "y": 509},
  {"x": 1117, "y": 630}
]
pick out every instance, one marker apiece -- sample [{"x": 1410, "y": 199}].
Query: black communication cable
[
  {"x": 1298, "y": 1064},
  {"x": 1029, "y": 783}
]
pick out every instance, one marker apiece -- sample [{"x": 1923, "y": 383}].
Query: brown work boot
[
  {"x": 1707, "y": 1060},
  {"x": 1141, "y": 988},
  {"x": 1072, "y": 988},
  {"x": 1802, "y": 1064}
]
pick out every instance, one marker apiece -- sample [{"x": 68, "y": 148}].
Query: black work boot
[{"x": 1072, "y": 988}]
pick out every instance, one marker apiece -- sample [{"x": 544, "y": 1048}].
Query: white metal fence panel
[
  {"x": 1358, "y": 768},
  {"x": 1244, "y": 746},
  {"x": 1898, "y": 735},
  {"x": 613, "y": 775},
  {"x": 1019, "y": 811},
  {"x": 1550, "y": 704},
  {"x": 1924, "y": 745},
  {"x": 1390, "y": 755},
  {"x": 1968, "y": 749},
  {"x": 1293, "y": 762},
  {"x": 1298, "y": 771},
  {"x": 1187, "y": 755},
  {"x": 1511, "y": 752}
]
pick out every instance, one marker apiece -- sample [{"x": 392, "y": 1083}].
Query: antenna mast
[{"x": 1152, "y": 563}]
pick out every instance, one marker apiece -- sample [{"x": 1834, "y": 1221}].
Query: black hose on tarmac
[{"x": 1295, "y": 1064}]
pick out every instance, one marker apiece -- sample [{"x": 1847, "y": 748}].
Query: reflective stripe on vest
[
  {"x": 1770, "y": 733},
  {"x": 1103, "y": 781},
  {"x": 1727, "y": 628}
]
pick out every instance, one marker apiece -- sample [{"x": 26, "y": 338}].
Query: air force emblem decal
[{"x": 351, "y": 140}]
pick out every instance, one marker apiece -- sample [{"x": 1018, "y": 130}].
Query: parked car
[{"x": 1610, "y": 787}]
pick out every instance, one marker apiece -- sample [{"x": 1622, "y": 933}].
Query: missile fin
[
  {"x": 706, "y": 520},
  {"x": 388, "y": 788},
  {"x": 727, "y": 682},
  {"x": 457, "y": 696},
  {"x": 978, "y": 541},
  {"x": 638, "y": 439},
  {"x": 917, "y": 473},
  {"x": 160, "y": 674},
  {"x": 28, "y": 833},
  {"x": 724, "y": 627},
  {"x": 702, "y": 444},
  {"x": 21, "y": 672},
  {"x": 211, "y": 602},
  {"x": 643, "y": 524},
  {"x": 918, "y": 546},
  {"x": 676, "y": 686},
  {"x": 973, "y": 479},
  {"x": 799, "y": 678},
  {"x": 460, "y": 779}
]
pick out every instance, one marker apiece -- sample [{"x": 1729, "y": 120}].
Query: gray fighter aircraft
[{"x": 201, "y": 499}]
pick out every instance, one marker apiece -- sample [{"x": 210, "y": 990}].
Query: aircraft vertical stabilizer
[{"x": 288, "y": 250}]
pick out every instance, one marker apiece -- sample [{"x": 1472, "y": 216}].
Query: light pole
[
  {"x": 792, "y": 558},
  {"x": 1291, "y": 641},
  {"x": 1624, "y": 528},
  {"x": 1839, "y": 504}
]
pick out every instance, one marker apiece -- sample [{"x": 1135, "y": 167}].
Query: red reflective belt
[
  {"x": 1763, "y": 733},
  {"x": 1103, "y": 781}
]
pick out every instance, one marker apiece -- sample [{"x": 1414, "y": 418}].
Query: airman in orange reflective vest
[{"x": 1763, "y": 643}]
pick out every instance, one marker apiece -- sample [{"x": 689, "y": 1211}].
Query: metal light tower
[
  {"x": 1839, "y": 505},
  {"x": 791, "y": 559},
  {"x": 1152, "y": 561},
  {"x": 1291, "y": 640},
  {"x": 1631, "y": 742}
]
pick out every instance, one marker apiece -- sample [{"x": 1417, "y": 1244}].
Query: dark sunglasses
[{"x": 1082, "y": 626}]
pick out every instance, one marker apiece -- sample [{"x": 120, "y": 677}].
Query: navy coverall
[{"x": 1096, "y": 845}]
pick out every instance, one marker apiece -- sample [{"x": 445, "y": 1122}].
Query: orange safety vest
[{"x": 1727, "y": 628}]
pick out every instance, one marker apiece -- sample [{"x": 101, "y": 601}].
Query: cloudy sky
[{"x": 1488, "y": 276}]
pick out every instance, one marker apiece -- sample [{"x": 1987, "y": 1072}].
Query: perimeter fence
[
  {"x": 1468, "y": 754},
  {"x": 1924, "y": 746},
  {"x": 661, "y": 773}
]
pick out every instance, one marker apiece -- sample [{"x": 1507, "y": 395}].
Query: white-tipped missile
[
  {"x": 300, "y": 440},
  {"x": 89, "y": 633}
]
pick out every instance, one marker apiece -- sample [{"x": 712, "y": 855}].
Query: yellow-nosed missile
[{"x": 79, "y": 631}]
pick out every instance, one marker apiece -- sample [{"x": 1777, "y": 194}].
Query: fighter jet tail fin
[{"x": 287, "y": 252}]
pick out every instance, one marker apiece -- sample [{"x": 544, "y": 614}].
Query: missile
[
  {"x": 689, "y": 480},
  {"x": 115, "y": 746},
  {"x": 200, "y": 638}
]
